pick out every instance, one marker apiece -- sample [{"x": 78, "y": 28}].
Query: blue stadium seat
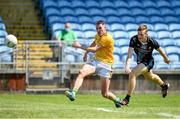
[
  {"x": 138, "y": 11},
  {"x": 120, "y": 34},
  {"x": 76, "y": 26},
  {"x": 174, "y": 27},
  {"x": 152, "y": 11},
  {"x": 117, "y": 50},
  {"x": 51, "y": 11},
  {"x": 176, "y": 34},
  {"x": 81, "y": 11},
  {"x": 70, "y": 58},
  {"x": 177, "y": 41},
  {"x": 163, "y": 3},
  {"x": 6, "y": 58},
  {"x": 142, "y": 19},
  {"x": 67, "y": 11},
  {"x": 78, "y": 3},
  {"x": 172, "y": 49},
  {"x": 149, "y": 3},
  {"x": 121, "y": 42},
  {"x": 131, "y": 27},
  {"x": 53, "y": 19},
  {"x": 88, "y": 26},
  {"x": 161, "y": 27},
  {"x": 166, "y": 11},
  {"x": 95, "y": 11},
  {"x": 165, "y": 42},
  {"x": 156, "y": 19},
  {"x": 92, "y": 3},
  {"x": 85, "y": 19},
  {"x": 105, "y": 3},
  {"x": 177, "y": 11},
  {"x": 174, "y": 57},
  {"x": 110, "y": 11},
  {"x": 1, "y": 19},
  {"x": 152, "y": 34},
  {"x": 64, "y": 3},
  {"x": 2, "y": 26},
  {"x": 117, "y": 26},
  {"x": 175, "y": 65},
  {"x": 57, "y": 26},
  {"x": 171, "y": 19},
  {"x": 175, "y": 3},
  {"x": 89, "y": 34},
  {"x": 113, "y": 19},
  {"x": 124, "y": 50},
  {"x": 120, "y": 4},
  {"x": 150, "y": 26},
  {"x": 2, "y": 41},
  {"x": 164, "y": 34},
  {"x": 117, "y": 58},
  {"x": 71, "y": 19},
  {"x": 3, "y": 33},
  {"x": 79, "y": 34},
  {"x": 123, "y": 11},
  {"x": 118, "y": 65},
  {"x": 127, "y": 19},
  {"x": 98, "y": 17},
  {"x": 135, "y": 3},
  {"x": 5, "y": 49},
  {"x": 161, "y": 65},
  {"x": 132, "y": 33},
  {"x": 48, "y": 3}
]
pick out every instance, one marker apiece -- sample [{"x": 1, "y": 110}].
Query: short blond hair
[{"x": 143, "y": 27}]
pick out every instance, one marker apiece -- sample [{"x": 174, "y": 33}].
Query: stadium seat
[
  {"x": 163, "y": 3},
  {"x": 176, "y": 34},
  {"x": 53, "y": 19},
  {"x": 117, "y": 50},
  {"x": 71, "y": 19},
  {"x": 89, "y": 34},
  {"x": 150, "y": 26},
  {"x": 177, "y": 41},
  {"x": 174, "y": 27},
  {"x": 6, "y": 58},
  {"x": 124, "y": 50},
  {"x": 121, "y": 42},
  {"x": 167, "y": 42},
  {"x": 174, "y": 57},
  {"x": 117, "y": 26},
  {"x": 175, "y": 65},
  {"x": 151, "y": 11},
  {"x": 3, "y": 33},
  {"x": 95, "y": 11},
  {"x": 81, "y": 11},
  {"x": 110, "y": 11},
  {"x": 142, "y": 19},
  {"x": 70, "y": 58},
  {"x": 2, "y": 26},
  {"x": 79, "y": 34},
  {"x": 149, "y": 3},
  {"x": 113, "y": 19},
  {"x": 88, "y": 26},
  {"x": 172, "y": 49},
  {"x": 116, "y": 58},
  {"x": 161, "y": 65},
  {"x": 152, "y": 34},
  {"x": 2, "y": 41},
  {"x": 85, "y": 19},
  {"x": 67, "y": 11},
  {"x": 120, "y": 34},
  {"x": 164, "y": 34},
  {"x": 76, "y": 26},
  {"x": 156, "y": 19},
  {"x": 57, "y": 26},
  {"x": 138, "y": 11},
  {"x": 131, "y": 27},
  {"x": 118, "y": 65},
  {"x": 135, "y": 4},
  {"x": 48, "y": 3},
  {"x": 64, "y": 3},
  {"x": 105, "y": 4},
  {"x": 120, "y": 4},
  {"x": 161, "y": 27},
  {"x": 123, "y": 11},
  {"x": 171, "y": 19},
  {"x": 98, "y": 17},
  {"x": 166, "y": 11},
  {"x": 77, "y": 3},
  {"x": 92, "y": 3},
  {"x": 175, "y": 3},
  {"x": 51, "y": 11},
  {"x": 132, "y": 33},
  {"x": 127, "y": 19}
]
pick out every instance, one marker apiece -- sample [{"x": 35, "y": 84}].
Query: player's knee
[
  {"x": 104, "y": 94},
  {"x": 81, "y": 73},
  {"x": 132, "y": 75}
]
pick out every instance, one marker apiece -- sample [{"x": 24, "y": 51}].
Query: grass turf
[{"x": 87, "y": 106}]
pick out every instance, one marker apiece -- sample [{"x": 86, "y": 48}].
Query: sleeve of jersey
[
  {"x": 156, "y": 44},
  {"x": 132, "y": 43}
]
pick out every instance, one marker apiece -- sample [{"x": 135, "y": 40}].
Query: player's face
[
  {"x": 142, "y": 35},
  {"x": 101, "y": 29}
]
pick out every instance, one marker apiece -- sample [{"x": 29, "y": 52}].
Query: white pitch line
[
  {"x": 106, "y": 110},
  {"x": 169, "y": 115}
]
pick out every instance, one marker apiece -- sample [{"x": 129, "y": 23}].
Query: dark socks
[{"x": 127, "y": 97}]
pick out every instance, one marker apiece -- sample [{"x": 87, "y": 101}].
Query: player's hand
[
  {"x": 76, "y": 45},
  {"x": 85, "y": 57},
  {"x": 127, "y": 69},
  {"x": 166, "y": 60},
  {"x": 60, "y": 44}
]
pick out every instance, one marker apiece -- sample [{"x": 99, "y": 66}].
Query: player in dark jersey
[{"x": 143, "y": 46}]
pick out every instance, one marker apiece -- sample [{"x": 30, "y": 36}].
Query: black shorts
[{"x": 149, "y": 64}]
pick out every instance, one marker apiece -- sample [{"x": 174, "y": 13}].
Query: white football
[{"x": 11, "y": 41}]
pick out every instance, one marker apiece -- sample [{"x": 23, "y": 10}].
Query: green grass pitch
[{"x": 87, "y": 106}]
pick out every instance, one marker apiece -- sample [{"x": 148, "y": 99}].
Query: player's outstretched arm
[
  {"x": 128, "y": 60},
  {"x": 163, "y": 54}
]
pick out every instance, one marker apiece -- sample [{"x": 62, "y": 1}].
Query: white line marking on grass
[
  {"x": 105, "y": 110},
  {"x": 169, "y": 115}
]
